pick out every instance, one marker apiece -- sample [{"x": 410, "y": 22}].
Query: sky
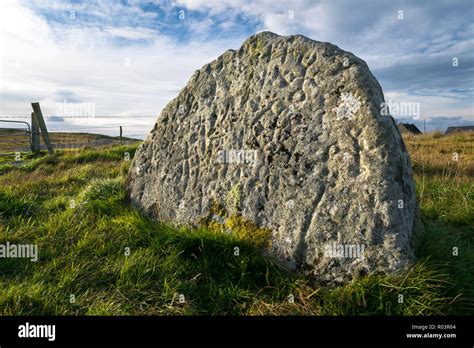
[{"x": 129, "y": 58}]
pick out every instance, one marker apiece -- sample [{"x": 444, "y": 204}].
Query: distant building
[
  {"x": 459, "y": 129},
  {"x": 408, "y": 128}
]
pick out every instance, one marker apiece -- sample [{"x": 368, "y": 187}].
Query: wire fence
[
  {"x": 85, "y": 116},
  {"x": 15, "y": 136}
]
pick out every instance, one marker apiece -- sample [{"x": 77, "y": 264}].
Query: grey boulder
[{"x": 287, "y": 132}]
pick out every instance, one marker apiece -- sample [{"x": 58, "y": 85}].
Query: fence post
[
  {"x": 121, "y": 135},
  {"x": 42, "y": 126},
  {"x": 35, "y": 135}
]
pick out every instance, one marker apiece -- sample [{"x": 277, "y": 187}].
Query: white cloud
[
  {"x": 135, "y": 79},
  {"x": 131, "y": 33},
  {"x": 432, "y": 105}
]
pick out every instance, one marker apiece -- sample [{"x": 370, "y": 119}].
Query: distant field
[
  {"x": 99, "y": 256},
  {"x": 13, "y": 140}
]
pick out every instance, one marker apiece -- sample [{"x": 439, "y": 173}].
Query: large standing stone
[{"x": 292, "y": 130}]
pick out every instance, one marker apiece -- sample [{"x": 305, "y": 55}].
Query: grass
[{"x": 99, "y": 256}]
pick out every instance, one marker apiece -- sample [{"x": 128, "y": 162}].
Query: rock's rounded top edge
[{"x": 269, "y": 35}]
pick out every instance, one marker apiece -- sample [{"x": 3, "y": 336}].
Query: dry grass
[{"x": 449, "y": 156}]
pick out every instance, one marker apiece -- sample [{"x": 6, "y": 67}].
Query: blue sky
[{"x": 132, "y": 57}]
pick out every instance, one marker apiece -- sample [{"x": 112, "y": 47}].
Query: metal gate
[{"x": 14, "y": 139}]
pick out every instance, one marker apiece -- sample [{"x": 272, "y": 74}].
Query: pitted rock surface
[{"x": 289, "y": 133}]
